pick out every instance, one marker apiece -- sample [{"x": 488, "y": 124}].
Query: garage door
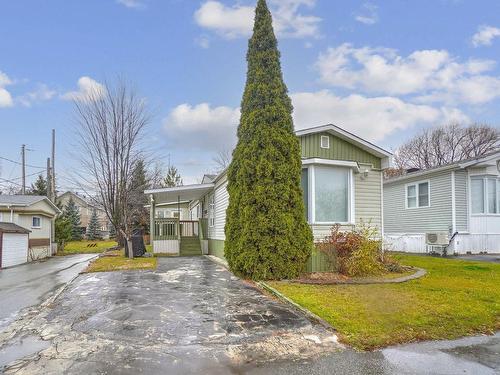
[{"x": 14, "y": 249}]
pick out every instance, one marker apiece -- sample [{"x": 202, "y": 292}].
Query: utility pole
[
  {"x": 53, "y": 169},
  {"x": 23, "y": 157},
  {"x": 49, "y": 180}
]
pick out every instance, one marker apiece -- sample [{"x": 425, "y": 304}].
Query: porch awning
[{"x": 179, "y": 193}]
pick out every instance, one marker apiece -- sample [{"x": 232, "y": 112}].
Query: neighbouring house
[
  {"x": 453, "y": 208},
  {"x": 36, "y": 215},
  {"x": 342, "y": 177},
  {"x": 14, "y": 241},
  {"x": 85, "y": 207}
]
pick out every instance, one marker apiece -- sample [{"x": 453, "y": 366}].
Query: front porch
[
  {"x": 179, "y": 237},
  {"x": 185, "y": 233}
]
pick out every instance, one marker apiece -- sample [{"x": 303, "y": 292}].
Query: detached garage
[{"x": 13, "y": 244}]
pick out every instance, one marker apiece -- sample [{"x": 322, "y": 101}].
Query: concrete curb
[
  {"x": 310, "y": 315},
  {"x": 420, "y": 272}
]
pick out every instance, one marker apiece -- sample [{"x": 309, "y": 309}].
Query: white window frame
[
  {"x": 311, "y": 212},
  {"x": 327, "y": 138},
  {"x": 35, "y": 226},
  {"x": 211, "y": 211},
  {"x": 1, "y": 216},
  {"x": 484, "y": 179},
  {"x": 417, "y": 191}
]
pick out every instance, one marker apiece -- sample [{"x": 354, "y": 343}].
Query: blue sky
[{"x": 381, "y": 69}]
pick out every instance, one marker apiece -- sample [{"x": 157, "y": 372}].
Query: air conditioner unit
[{"x": 437, "y": 238}]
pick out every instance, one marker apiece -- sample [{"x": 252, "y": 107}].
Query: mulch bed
[{"x": 329, "y": 278}]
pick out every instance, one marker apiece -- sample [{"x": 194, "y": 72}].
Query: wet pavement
[
  {"x": 30, "y": 284},
  {"x": 193, "y": 316}
]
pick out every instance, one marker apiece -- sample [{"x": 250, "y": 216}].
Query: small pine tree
[
  {"x": 63, "y": 231},
  {"x": 93, "y": 232},
  {"x": 39, "y": 187},
  {"x": 267, "y": 236},
  {"x": 73, "y": 215},
  {"x": 173, "y": 178},
  {"x": 112, "y": 231},
  {"x": 139, "y": 215}
]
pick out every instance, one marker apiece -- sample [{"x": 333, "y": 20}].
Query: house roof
[
  {"x": 12, "y": 228},
  {"x": 180, "y": 193},
  {"x": 24, "y": 201},
  {"x": 87, "y": 200},
  {"x": 461, "y": 164},
  {"x": 347, "y": 136}
]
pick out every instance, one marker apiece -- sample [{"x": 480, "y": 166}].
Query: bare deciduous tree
[
  {"x": 111, "y": 121},
  {"x": 447, "y": 144},
  {"x": 222, "y": 159}
]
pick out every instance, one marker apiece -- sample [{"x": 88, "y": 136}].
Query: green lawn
[
  {"x": 82, "y": 247},
  {"x": 456, "y": 298},
  {"x": 120, "y": 263}
]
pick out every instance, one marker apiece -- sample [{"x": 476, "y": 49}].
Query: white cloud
[
  {"x": 485, "y": 35},
  {"x": 368, "y": 14},
  {"x": 5, "y": 96},
  {"x": 210, "y": 129},
  {"x": 131, "y": 3},
  {"x": 370, "y": 118},
  {"x": 203, "y": 41},
  {"x": 430, "y": 75},
  {"x": 40, "y": 94},
  {"x": 237, "y": 21},
  {"x": 202, "y": 126},
  {"x": 88, "y": 89}
]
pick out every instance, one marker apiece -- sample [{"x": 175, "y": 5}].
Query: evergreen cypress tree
[
  {"x": 73, "y": 215},
  {"x": 267, "y": 236},
  {"x": 93, "y": 227}
]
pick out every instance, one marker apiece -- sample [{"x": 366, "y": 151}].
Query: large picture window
[
  {"x": 485, "y": 195},
  {"x": 327, "y": 189},
  {"x": 331, "y": 194},
  {"x": 417, "y": 195}
]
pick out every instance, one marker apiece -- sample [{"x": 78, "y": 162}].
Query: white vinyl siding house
[
  {"x": 36, "y": 214},
  {"x": 461, "y": 199}
]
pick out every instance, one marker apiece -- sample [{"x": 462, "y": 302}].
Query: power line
[
  {"x": 19, "y": 163},
  {"x": 10, "y": 181}
]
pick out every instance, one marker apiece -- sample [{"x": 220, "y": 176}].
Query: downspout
[
  {"x": 453, "y": 211},
  {"x": 152, "y": 221}
]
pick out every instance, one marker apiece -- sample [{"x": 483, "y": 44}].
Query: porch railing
[
  {"x": 166, "y": 229},
  {"x": 189, "y": 228}
]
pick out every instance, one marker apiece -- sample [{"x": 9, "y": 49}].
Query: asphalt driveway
[
  {"x": 189, "y": 316},
  {"x": 193, "y": 316},
  {"x": 31, "y": 283}
]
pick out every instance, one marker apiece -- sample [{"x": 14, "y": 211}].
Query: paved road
[
  {"x": 193, "y": 316},
  {"x": 31, "y": 283}
]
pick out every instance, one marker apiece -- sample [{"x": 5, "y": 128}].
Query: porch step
[{"x": 190, "y": 246}]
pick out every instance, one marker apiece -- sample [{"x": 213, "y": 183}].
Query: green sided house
[{"x": 341, "y": 179}]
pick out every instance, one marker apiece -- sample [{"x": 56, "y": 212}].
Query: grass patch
[
  {"x": 117, "y": 262},
  {"x": 82, "y": 247},
  {"x": 456, "y": 298}
]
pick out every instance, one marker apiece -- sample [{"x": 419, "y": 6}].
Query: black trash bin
[{"x": 138, "y": 247}]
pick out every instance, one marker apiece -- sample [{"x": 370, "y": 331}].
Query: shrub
[{"x": 354, "y": 253}]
